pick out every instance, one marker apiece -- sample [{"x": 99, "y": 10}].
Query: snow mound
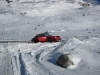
[{"x": 76, "y": 60}]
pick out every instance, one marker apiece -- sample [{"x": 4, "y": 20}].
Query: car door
[{"x": 42, "y": 38}]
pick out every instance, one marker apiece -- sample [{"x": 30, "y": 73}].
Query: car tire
[
  {"x": 36, "y": 41},
  {"x": 50, "y": 40}
]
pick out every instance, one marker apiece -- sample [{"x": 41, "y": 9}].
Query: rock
[
  {"x": 86, "y": 4},
  {"x": 64, "y": 61},
  {"x": 8, "y": 1}
]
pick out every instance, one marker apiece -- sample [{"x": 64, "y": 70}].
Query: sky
[{"x": 94, "y": 2}]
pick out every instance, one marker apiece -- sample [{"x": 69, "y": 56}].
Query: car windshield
[{"x": 46, "y": 34}]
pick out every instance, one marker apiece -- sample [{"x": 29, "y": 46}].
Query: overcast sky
[{"x": 93, "y": 1}]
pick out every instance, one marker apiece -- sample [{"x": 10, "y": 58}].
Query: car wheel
[
  {"x": 36, "y": 41},
  {"x": 50, "y": 40}
]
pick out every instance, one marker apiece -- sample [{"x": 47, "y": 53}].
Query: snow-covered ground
[{"x": 79, "y": 26}]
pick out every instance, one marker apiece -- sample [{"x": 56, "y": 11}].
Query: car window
[
  {"x": 47, "y": 34},
  {"x": 44, "y": 34}
]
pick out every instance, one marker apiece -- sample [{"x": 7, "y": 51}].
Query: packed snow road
[
  {"x": 18, "y": 41},
  {"x": 5, "y": 61},
  {"x": 40, "y": 58}
]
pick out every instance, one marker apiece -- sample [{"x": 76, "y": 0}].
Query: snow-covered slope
[
  {"x": 24, "y": 19},
  {"x": 40, "y": 58},
  {"x": 79, "y": 26}
]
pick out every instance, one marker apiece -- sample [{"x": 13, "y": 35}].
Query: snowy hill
[
  {"x": 76, "y": 21},
  {"x": 27, "y": 18}
]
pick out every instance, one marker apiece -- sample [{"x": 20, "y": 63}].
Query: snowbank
[{"x": 41, "y": 58}]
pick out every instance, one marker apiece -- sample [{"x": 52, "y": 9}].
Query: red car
[{"x": 45, "y": 37}]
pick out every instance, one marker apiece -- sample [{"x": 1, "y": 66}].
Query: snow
[
  {"x": 78, "y": 26},
  {"x": 75, "y": 60}
]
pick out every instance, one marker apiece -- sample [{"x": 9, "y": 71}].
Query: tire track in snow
[
  {"x": 38, "y": 54},
  {"x": 43, "y": 54},
  {"x": 19, "y": 66},
  {"x": 23, "y": 70},
  {"x": 6, "y": 67}
]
